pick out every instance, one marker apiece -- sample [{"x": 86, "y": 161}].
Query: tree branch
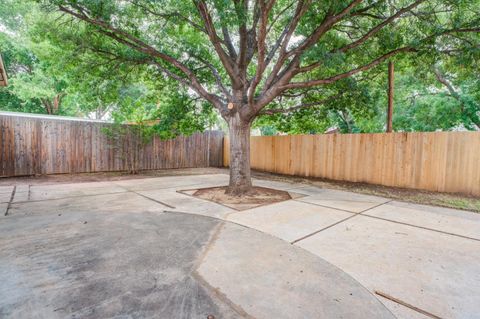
[
  {"x": 169, "y": 16},
  {"x": 365, "y": 37},
  {"x": 135, "y": 43},
  {"x": 227, "y": 62},
  {"x": 289, "y": 71},
  {"x": 216, "y": 74},
  {"x": 328, "y": 22},
  {"x": 265, "y": 9},
  {"x": 284, "y": 39},
  {"x": 243, "y": 35},
  {"x": 441, "y": 78},
  {"x": 229, "y": 43},
  {"x": 347, "y": 74},
  {"x": 300, "y": 106},
  {"x": 380, "y": 26}
]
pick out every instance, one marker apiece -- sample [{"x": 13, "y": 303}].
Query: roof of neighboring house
[
  {"x": 146, "y": 122},
  {"x": 332, "y": 130},
  {"x": 49, "y": 117},
  {"x": 3, "y": 73}
]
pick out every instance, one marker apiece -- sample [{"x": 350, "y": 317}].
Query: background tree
[
  {"x": 422, "y": 103},
  {"x": 142, "y": 113},
  {"x": 55, "y": 73},
  {"x": 34, "y": 85},
  {"x": 16, "y": 60}
]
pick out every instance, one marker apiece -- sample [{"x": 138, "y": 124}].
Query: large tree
[{"x": 243, "y": 56}]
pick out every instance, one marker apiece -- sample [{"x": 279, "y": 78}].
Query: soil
[{"x": 258, "y": 196}]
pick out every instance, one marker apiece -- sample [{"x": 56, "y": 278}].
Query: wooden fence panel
[
  {"x": 47, "y": 145},
  {"x": 436, "y": 161}
]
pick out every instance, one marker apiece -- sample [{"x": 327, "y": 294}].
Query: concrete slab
[
  {"x": 176, "y": 182},
  {"x": 22, "y": 188},
  {"x": 213, "y": 178},
  {"x": 115, "y": 266},
  {"x": 134, "y": 264},
  {"x": 276, "y": 280},
  {"x": 21, "y": 196},
  {"x": 433, "y": 271},
  {"x": 351, "y": 202},
  {"x": 5, "y": 197},
  {"x": 274, "y": 184},
  {"x": 3, "y": 209},
  {"x": 187, "y": 204},
  {"x": 107, "y": 203},
  {"x": 42, "y": 192},
  {"x": 6, "y": 189},
  {"x": 430, "y": 270},
  {"x": 310, "y": 190},
  {"x": 454, "y": 221},
  {"x": 289, "y": 220}
]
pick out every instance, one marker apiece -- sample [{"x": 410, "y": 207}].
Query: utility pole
[
  {"x": 390, "y": 96},
  {"x": 3, "y": 73}
]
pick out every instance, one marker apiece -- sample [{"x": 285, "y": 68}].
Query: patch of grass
[{"x": 461, "y": 203}]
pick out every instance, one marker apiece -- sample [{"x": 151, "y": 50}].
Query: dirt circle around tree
[{"x": 258, "y": 196}]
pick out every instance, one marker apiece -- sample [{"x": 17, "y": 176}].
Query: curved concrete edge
[
  {"x": 242, "y": 266},
  {"x": 55, "y": 264}
]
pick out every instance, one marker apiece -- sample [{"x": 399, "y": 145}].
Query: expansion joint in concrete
[
  {"x": 422, "y": 227},
  {"x": 153, "y": 200},
  {"x": 11, "y": 200}
]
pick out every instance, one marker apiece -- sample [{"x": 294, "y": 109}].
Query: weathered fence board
[
  {"x": 436, "y": 161},
  {"x": 36, "y": 145}
]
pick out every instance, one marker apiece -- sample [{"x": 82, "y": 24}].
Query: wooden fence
[
  {"x": 48, "y": 145},
  {"x": 437, "y": 161}
]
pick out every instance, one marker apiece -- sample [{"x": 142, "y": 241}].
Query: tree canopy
[
  {"x": 56, "y": 59},
  {"x": 50, "y": 73},
  {"x": 254, "y": 52}
]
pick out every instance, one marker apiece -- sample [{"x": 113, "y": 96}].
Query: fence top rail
[{"x": 50, "y": 117}]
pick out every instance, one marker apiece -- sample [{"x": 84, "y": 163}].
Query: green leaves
[{"x": 115, "y": 65}]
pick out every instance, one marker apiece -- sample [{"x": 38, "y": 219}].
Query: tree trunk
[{"x": 239, "y": 135}]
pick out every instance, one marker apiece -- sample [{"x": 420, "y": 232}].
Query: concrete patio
[{"x": 141, "y": 248}]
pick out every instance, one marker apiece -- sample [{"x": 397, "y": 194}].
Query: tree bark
[{"x": 240, "y": 177}]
